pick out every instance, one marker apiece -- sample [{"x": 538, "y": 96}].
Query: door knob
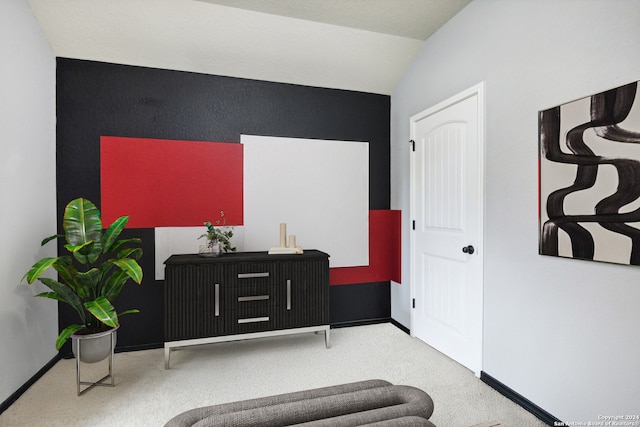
[{"x": 468, "y": 249}]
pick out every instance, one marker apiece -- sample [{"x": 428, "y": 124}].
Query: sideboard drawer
[
  {"x": 255, "y": 270},
  {"x": 251, "y": 291}
]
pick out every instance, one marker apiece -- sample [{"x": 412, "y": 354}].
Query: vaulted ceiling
[{"x": 362, "y": 45}]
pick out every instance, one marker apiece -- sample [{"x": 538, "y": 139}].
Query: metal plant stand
[{"x": 102, "y": 381}]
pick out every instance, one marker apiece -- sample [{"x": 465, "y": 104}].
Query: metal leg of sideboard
[{"x": 226, "y": 338}]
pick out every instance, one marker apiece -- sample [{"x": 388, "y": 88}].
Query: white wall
[
  {"x": 563, "y": 333},
  {"x": 28, "y": 325}
]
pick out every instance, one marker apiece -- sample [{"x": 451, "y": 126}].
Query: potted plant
[
  {"x": 91, "y": 276},
  {"x": 218, "y": 238}
]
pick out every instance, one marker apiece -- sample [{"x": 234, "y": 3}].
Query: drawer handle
[
  {"x": 216, "y": 301},
  {"x": 253, "y": 298},
  {"x": 252, "y": 275},
  {"x": 254, "y": 319},
  {"x": 288, "y": 294}
]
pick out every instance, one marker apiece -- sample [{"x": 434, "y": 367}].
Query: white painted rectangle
[{"x": 319, "y": 188}]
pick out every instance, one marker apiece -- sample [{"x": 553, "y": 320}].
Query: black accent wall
[{"x": 96, "y": 99}]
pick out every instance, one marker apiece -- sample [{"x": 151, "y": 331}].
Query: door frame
[{"x": 479, "y": 91}]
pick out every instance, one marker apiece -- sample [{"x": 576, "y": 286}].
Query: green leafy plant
[
  {"x": 93, "y": 274},
  {"x": 219, "y": 233}
]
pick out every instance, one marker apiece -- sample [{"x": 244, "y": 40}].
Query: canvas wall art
[{"x": 589, "y": 178}]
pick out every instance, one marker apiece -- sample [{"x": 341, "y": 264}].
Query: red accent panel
[
  {"x": 395, "y": 243},
  {"x": 166, "y": 183},
  {"x": 384, "y": 252}
]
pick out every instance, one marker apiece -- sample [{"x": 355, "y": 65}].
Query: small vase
[{"x": 212, "y": 248}]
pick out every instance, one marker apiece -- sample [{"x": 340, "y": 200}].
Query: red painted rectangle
[
  {"x": 170, "y": 183},
  {"x": 385, "y": 262}
]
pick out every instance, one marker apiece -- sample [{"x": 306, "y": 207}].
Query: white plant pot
[{"x": 94, "y": 347}]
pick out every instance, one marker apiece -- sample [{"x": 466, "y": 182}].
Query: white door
[{"x": 446, "y": 236}]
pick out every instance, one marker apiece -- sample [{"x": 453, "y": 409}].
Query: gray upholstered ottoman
[{"x": 375, "y": 403}]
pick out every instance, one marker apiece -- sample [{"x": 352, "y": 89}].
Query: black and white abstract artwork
[{"x": 589, "y": 171}]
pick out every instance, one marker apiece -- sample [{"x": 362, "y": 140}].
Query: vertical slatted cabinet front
[
  {"x": 305, "y": 300},
  {"x": 193, "y": 300}
]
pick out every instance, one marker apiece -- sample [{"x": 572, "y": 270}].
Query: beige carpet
[{"x": 148, "y": 395}]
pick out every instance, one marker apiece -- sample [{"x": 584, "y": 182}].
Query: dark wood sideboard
[{"x": 244, "y": 295}]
